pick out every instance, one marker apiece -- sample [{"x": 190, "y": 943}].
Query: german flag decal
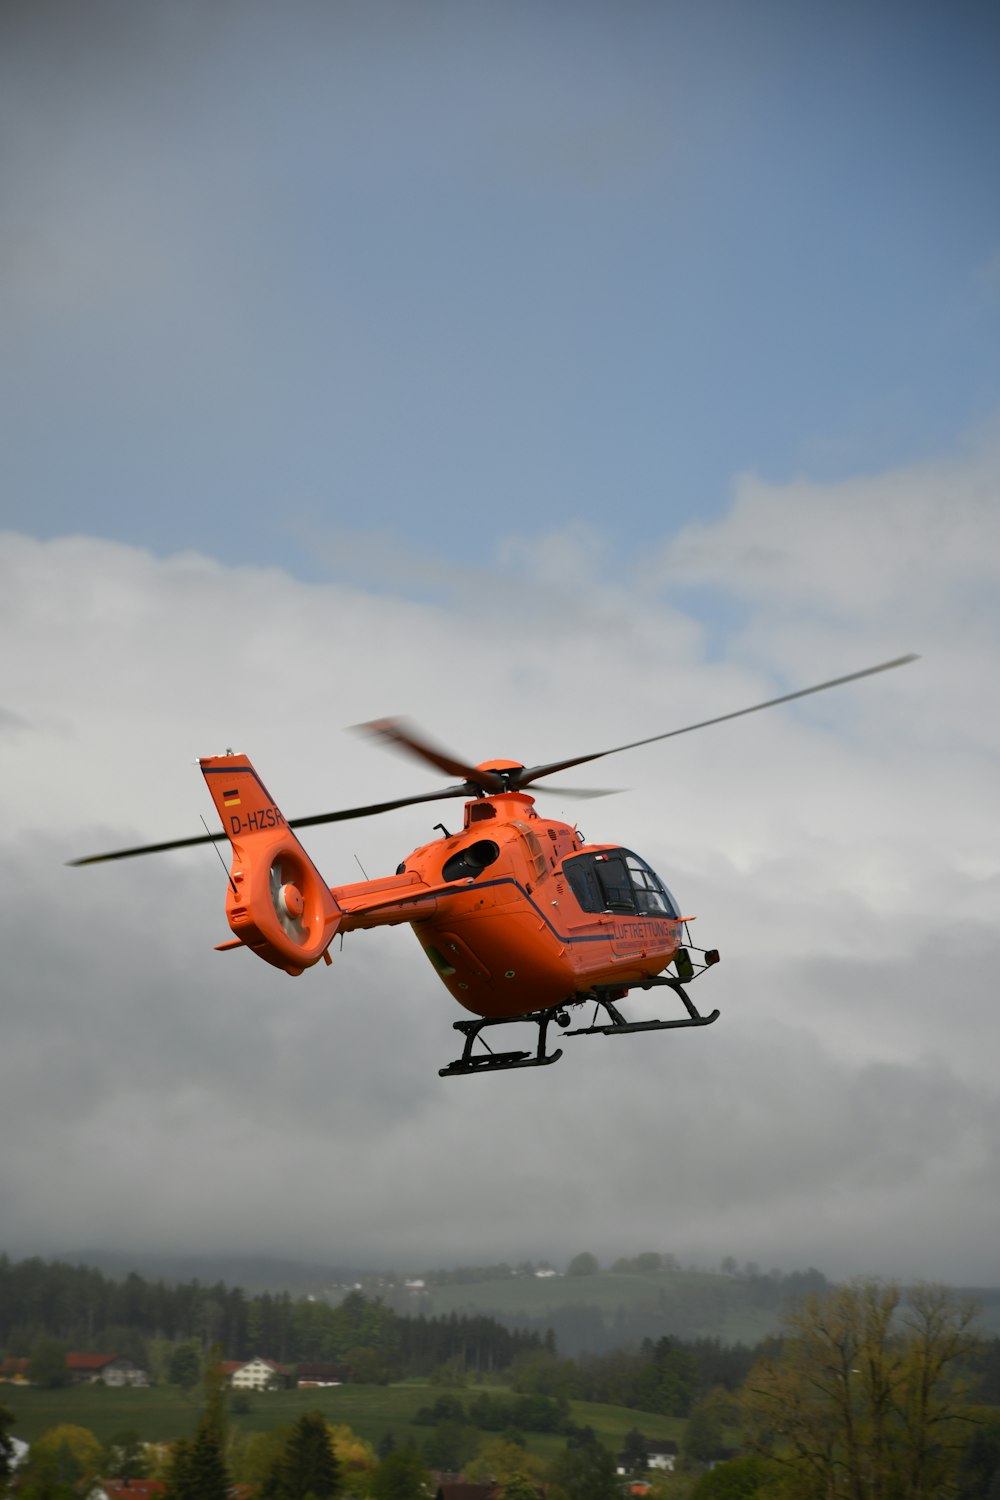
[{"x": 231, "y": 799}]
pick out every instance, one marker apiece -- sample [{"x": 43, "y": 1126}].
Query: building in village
[
  {"x": 104, "y": 1369},
  {"x": 257, "y": 1374}
]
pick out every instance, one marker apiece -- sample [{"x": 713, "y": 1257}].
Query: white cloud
[{"x": 841, "y": 853}]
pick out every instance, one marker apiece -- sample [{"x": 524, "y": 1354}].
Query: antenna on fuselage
[{"x": 218, "y": 851}]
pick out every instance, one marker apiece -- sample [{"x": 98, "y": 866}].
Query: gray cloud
[{"x": 844, "y": 1109}]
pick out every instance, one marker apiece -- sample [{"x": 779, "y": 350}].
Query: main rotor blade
[
  {"x": 534, "y": 773},
  {"x": 397, "y": 733},
  {"x": 578, "y": 791},
  {"x": 311, "y": 822},
  {"x": 98, "y": 859},
  {"x": 381, "y": 807}
]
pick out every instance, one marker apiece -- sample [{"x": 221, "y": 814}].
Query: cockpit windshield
[{"x": 618, "y": 880}]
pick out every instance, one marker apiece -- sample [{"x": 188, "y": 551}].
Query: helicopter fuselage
[{"x": 517, "y": 914}]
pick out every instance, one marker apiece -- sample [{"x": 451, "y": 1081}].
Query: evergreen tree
[
  {"x": 703, "y": 1435},
  {"x": 178, "y": 1475},
  {"x": 185, "y": 1366},
  {"x": 198, "y": 1469},
  {"x": 306, "y": 1466},
  {"x": 207, "y": 1474},
  {"x": 635, "y": 1451},
  {"x": 214, "y": 1410}
]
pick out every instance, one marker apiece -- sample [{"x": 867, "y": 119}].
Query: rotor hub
[{"x": 291, "y": 902}]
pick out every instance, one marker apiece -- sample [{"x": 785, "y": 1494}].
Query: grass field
[{"x": 163, "y": 1413}]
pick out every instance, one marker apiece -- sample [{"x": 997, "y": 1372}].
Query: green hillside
[{"x": 163, "y": 1413}]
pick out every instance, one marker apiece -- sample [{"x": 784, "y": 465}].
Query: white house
[
  {"x": 255, "y": 1374},
  {"x": 661, "y": 1454}
]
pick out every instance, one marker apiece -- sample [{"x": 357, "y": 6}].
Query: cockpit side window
[
  {"x": 600, "y": 882},
  {"x": 612, "y": 877},
  {"x": 583, "y": 882}
]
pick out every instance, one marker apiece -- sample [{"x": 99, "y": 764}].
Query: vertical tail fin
[{"x": 277, "y": 902}]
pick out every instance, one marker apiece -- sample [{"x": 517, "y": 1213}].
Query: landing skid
[
  {"x": 496, "y": 1062},
  {"x": 603, "y": 998}
]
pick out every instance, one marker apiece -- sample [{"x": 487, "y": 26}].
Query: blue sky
[
  {"x": 459, "y": 271},
  {"x": 557, "y": 375}
]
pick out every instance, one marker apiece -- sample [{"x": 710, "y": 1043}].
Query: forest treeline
[{"x": 90, "y": 1312}]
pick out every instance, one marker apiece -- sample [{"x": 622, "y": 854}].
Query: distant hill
[
  {"x": 254, "y": 1273},
  {"x": 592, "y": 1314},
  {"x": 619, "y": 1309},
  {"x": 589, "y": 1313}
]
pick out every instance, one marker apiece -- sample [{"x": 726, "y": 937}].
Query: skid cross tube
[{"x": 620, "y": 1027}]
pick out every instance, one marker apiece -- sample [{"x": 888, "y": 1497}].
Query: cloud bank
[{"x": 841, "y": 852}]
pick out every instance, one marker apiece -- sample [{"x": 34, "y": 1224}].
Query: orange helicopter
[{"x": 522, "y": 920}]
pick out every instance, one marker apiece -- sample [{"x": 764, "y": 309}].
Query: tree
[
  {"x": 584, "y": 1472},
  {"x": 261, "y": 1454},
  {"x": 306, "y": 1464},
  {"x": 739, "y": 1479},
  {"x": 402, "y": 1475},
  {"x": 213, "y": 1415},
  {"x": 125, "y": 1456},
  {"x": 979, "y": 1471},
  {"x": 451, "y": 1373},
  {"x": 449, "y": 1446},
  {"x": 499, "y": 1461},
  {"x": 62, "y": 1463},
  {"x": 865, "y": 1400},
  {"x": 635, "y": 1450},
  {"x": 703, "y": 1434},
  {"x": 583, "y": 1265},
  {"x": 197, "y": 1469},
  {"x": 178, "y": 1471},
  {"x": 185, "y": 1366},
  {"x": 207, "y": 1474},
  {"x": 668, "y": 1382},
  {"x": 518, "y": 1487},
  {"x": 47, "y": 1366}
]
